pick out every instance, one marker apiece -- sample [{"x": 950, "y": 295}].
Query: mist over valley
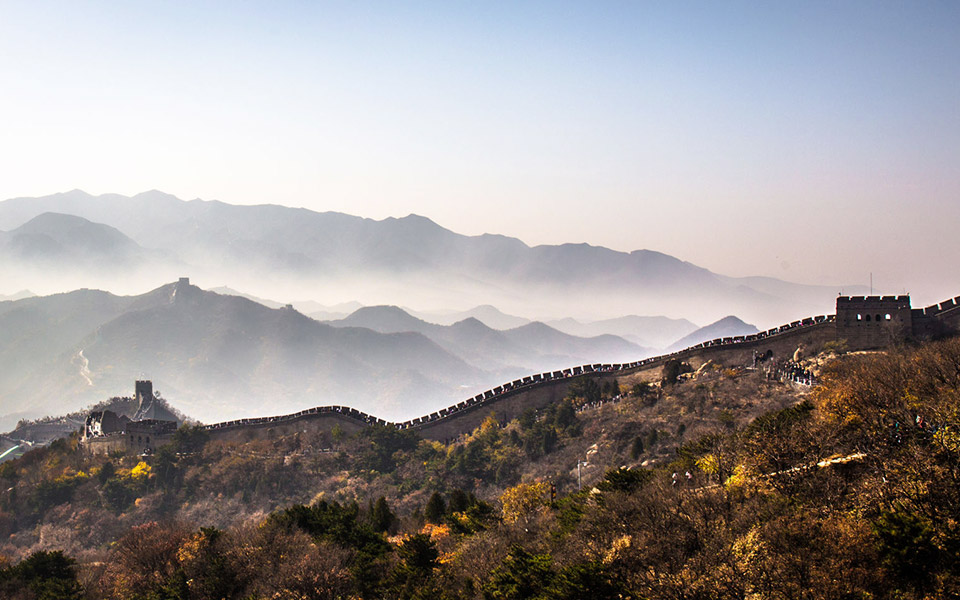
[{"x": 294, "y": 326}]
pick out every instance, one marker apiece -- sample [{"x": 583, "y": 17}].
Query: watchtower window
[
  {"x": 868, "y": 318},
  {"x": 887, "y": 316},
  {"x": 878, "y": 318},
  {"x": 859, "y": 317}
]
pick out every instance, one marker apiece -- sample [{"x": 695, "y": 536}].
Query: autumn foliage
[{"x": 850, "y": 491}]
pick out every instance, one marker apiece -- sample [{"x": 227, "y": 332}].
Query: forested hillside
[{"x": 723, "y": 485}]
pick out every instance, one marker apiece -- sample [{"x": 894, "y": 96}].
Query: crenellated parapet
[{"x": 862, "y": 322}]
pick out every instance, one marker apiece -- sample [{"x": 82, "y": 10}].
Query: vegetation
[{"x": 768, "y": 492}]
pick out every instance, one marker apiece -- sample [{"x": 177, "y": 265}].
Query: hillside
[
  {"x": 724, "y": 485},
  {"x": 263, "y": 475}
]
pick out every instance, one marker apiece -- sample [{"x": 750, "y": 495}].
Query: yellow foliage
[
  {"x": 140, "y": 471},
  {"x": 619, "y": 545},
  {"x": 709, "y": 463},
  {"x": 738, "y": 479},
  {"x": 69, "y": 476},
  {"x": 948, "y": 436},
  {"x": 523, "y": 500},
  {"x": 749, "y": 547},
  {"x": 436, "y": 532},
  {"x": 489, "y": 424}
]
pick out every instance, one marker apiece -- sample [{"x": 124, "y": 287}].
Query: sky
[{"x": 811, "y": 141}]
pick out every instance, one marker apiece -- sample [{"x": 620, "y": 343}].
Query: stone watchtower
[
  {"x": 143, "y": 391},
  {"x": 873, "y": 321},
  {"x": 146, "y": 407}
]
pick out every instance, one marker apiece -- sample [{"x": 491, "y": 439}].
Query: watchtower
[
  {"x": 143, "y": 391},
  {"x": 873, "y": 321}
]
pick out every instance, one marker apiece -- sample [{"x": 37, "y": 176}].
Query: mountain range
[
  {"x": 333, "y": 257},
  {"x": 221, "y": 356},
  {"x": 214, "y": 356},
  {"x": 533, "y": 347}
]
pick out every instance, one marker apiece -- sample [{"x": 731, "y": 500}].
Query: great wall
[{"x": 860, "y": 323}]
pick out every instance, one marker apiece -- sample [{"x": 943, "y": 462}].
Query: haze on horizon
[{"x": 751, "y": 139}]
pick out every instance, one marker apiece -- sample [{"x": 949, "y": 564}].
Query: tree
[
  {"x": 106, "y": 472},
  {"x": 522, "y": 501},
  {"x": 413, "y": 576},
  {"x": 436, "y": 509},
  {"x": 418, "y": 555},
  {"x": 144, "y": 561},
  {"x": 566, "y": 417},
  {"x": 48, "y": 575},
  {"x": 636, "y": 448},
  {"x": 380, "y": 516},
  {"x": 586, "y": 388},
  {"x": 520, "y": 576},
  {"x": 671, "y": 371},
  {"x": 460, "y": 500},
  {"x": 190, "y": 438},
  {"x": 624, "y": 480},
  {"x": 611, "y": 388}
]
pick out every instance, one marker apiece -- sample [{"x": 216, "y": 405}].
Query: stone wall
[
  {"x": 505, "y": 408},
  {"x": 322, "y": 423},
  {"x": 127, "y": 442},
  {"x": 856, "y": 322}
]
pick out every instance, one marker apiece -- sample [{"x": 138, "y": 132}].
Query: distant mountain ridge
[
  {"x": 726, "y": 327},
  {"x": 411, "y": 258},
  {"x": 656, "y": 332},
  {"x": 213, "y": 355},
  {"x": 533, "y": 347},
  {"x": 56, "y": 239},
  {"x": 218, "y": 356},
  {"x": 490, "y": 315},
  {"x": 17, "y": 296}
]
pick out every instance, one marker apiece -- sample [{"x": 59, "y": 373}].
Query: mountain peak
[{"x": 729, "y": 326}]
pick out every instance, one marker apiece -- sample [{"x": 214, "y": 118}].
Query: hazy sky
[{"x": 749, "y": 138}]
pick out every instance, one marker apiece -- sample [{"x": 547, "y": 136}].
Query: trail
[{"x": 85, "y": 368}]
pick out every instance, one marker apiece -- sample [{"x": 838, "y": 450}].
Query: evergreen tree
[
  {"x": 435, "y": 509},
  {"x": 381, "y": 517}
]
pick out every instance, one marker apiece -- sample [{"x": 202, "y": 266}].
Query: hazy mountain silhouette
[
  {"x": 655, "y": 332},
  {"x": 67, "y": 240},
  {"x": 726, "y": 327},
  {"x": 485, "y": 313},
  {"x": 312, "y": 309},
  {"x": 18, "y": 295},
  {"x": 214, "y": 357},
  {"x": 413, "y": 258},
  {"x": 530, "y": 348}
]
